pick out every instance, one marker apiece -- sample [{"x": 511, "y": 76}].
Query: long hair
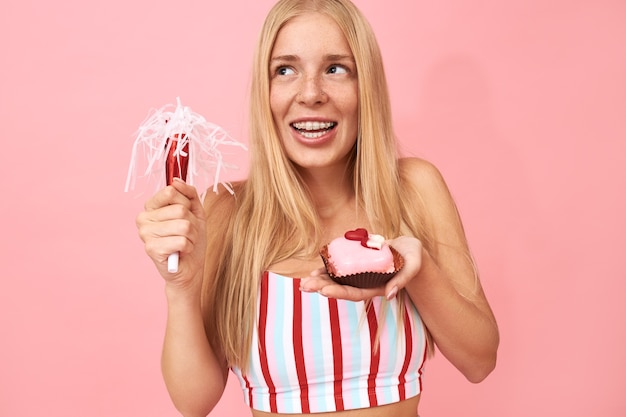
[{"x": 273, "y": 217}]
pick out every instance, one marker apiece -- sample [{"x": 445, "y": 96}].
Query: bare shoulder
[
  {"x": 423, "y": 176},
  {"x": 440, "y": 211},
  {"x": 419, "y": 172}
]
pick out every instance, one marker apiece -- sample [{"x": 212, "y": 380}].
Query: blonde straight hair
[{"x": 273, "y": 217}]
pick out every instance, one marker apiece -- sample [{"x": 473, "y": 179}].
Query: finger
[
  {"x": 346, "y": 292},
  {"x": 167, "y": 196},
  {"x": 399, "y": 281},
  {"x": 391, "y": 290},
  {"x": 314, "y": 283},
  {"x": 160, "y": 249},
  {"x": 191, "y": 193},
  {"x": 315, "y": 280},
  {"x": 169, "y": 228},
  {"x": 165, "y": 222},
  {"x": 319, "y": 271},
  {"x": 169, "y": 212}
]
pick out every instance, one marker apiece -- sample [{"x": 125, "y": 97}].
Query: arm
[
  {"x": 446, "y": 289},
  {"x": 441, "y": 282},
  {"x": 195, "y": 375}
]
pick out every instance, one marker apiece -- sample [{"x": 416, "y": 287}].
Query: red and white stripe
[{"x": 314, "y": 354}]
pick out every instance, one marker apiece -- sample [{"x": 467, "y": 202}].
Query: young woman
[{"x": 251, "y": 294}]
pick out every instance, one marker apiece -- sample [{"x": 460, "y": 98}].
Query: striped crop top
[{"x": 316, "y": 354}]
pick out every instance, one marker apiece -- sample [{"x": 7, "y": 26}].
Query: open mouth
[{"x": 313, "y": 130}]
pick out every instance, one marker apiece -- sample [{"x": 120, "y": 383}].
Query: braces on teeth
[{"x": 313, "y": 125}]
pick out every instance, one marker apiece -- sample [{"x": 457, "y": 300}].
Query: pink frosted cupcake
[{"x": 360, "y": 259}]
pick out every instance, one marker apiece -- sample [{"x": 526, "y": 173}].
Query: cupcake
[{"x": 361, "y": 259}]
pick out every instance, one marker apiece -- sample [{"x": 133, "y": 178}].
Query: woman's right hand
[{"x": 174, "y": 221}]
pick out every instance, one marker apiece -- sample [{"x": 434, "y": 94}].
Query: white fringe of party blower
[{"x": 203, "y": 138}]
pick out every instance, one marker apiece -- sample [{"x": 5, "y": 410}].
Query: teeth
[
  {"x": 313, "y": 125},
  {"x": 312, "y": 135}
]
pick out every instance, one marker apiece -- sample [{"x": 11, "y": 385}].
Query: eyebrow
[{"x": 327, "y": 58}]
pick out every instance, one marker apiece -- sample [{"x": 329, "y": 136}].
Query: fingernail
[{"x": 392, "y": 293}]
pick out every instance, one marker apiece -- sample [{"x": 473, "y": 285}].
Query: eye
[
  {"x": 337, "y": 69},
  {"x": 284, "y": 71}
]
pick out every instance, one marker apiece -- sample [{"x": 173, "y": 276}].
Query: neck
[{"x": 331, "y": 190}]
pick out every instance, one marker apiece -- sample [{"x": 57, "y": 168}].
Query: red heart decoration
[{"x": 359, "y": 234}]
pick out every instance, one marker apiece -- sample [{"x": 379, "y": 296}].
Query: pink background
[{"x": 522, "y": 105}]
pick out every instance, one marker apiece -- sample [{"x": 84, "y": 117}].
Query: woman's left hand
[{"x": 411, "y": 250}]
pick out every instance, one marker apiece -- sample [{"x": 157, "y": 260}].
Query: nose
[{"x": 311, "y": 91}]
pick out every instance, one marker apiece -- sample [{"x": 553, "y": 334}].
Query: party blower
[{"x": 178, "y": 143}]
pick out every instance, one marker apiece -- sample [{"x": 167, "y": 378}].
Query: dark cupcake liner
[{"x": 363, "y": 279}]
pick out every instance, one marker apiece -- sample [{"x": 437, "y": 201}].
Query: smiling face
[{"x": 314, "y": 92}]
